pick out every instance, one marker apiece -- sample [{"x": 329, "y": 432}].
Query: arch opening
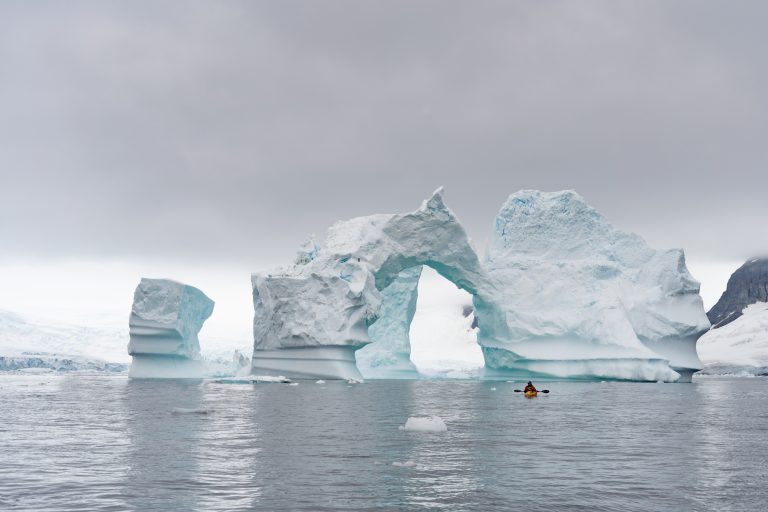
[
  {"x": 443, "y": 332},
  {"x": 424, "y": 309}
]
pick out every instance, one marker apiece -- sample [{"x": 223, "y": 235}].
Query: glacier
[
  {"x": 561, "y": 294},
  {"x": 165, "y": 320},
  {"x": 740, "y": 346},
  {"x": 42, "y": 344}
]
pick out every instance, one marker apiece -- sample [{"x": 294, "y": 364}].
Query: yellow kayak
[{"x": 531, "y": 394}]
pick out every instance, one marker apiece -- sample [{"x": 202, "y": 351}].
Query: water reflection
[{"x": 163, "y": 456}]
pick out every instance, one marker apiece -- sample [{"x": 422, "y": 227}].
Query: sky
[{"x": 205, "y": 140}]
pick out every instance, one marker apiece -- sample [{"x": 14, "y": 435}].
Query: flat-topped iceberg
[
  {"x": 561, "y": 294},
  {"x": 166, "y": 317}
]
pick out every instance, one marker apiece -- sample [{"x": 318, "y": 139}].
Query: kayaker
[{"x": 530, "y": 388}]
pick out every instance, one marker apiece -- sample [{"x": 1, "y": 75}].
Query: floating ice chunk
[
  {"x": 321, "y": 381},
  {"x": 293, "y": 384},
  {"x": 182, "y": 410},
  {"x": 354, "y": 381},
  {"x": 270, "y": 378},
  {"x": 406, "y": 464},
  {"x": 493, "y": 389},
  {"x": 259, "y": 379},
  {"x": 424, "y": 424}
]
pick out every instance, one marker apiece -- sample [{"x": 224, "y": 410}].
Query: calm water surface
[{"x": 106, "y": 443}]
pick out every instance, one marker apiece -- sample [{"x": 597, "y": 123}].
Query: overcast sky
[{"x": 222, "y": 133}]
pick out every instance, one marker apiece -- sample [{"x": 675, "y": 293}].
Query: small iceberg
[
  {"x": 424, "y": 424},
  {"x": 321, "y": 381},
  {"x": 406, "y": 464}
]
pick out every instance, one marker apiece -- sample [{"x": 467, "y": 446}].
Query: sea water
[{"x": 76, "y": 442}]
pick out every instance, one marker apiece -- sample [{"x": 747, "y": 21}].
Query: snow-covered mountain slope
[
  {"x": 747, "y": 285},
  {"x": 740, "y": 346}
]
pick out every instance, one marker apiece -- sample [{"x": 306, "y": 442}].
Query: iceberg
[
  {"x": 311, "y": 317},
  {"x": 582, "y": 299},
  {"x": 561, "y": 294},
  {"x": 424, "y": 424},
  {"x": 164, "y": 323}
]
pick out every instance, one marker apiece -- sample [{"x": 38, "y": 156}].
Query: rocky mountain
[{"x": 747, "y": 285}]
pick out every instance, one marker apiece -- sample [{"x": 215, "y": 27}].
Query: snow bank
[{"x": 424, "y": 424}]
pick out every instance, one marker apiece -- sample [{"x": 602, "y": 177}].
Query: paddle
[{"x": 539, "y": 391}]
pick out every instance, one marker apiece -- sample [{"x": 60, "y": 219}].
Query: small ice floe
[
  {"x": 321, "y": 381},
  {"x": 182, "y": 410},
  {"x": 493, "y": 389},
  {"x": 406, "y": 464},
  {"x": 252, "y": 379},
  {"x": 270, "y": 378},
  {"x": 424, "y": 424},
  {"x": 293, "y": 384},
  {"x": 354, "y": 381}
]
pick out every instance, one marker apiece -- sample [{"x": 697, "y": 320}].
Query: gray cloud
[{"x": 228, "y": 131}]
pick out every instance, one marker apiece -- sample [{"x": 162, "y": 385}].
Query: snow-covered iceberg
[
  {"x": 740, "y": 346},
  {"x": 165, "y": 320},
  {"x": 561, "y": 294}
]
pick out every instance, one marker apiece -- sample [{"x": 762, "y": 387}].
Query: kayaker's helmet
[{"x": 529, "y": 383}]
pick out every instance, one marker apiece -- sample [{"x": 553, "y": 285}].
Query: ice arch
[
  {"x": 561, "y": 294},
  {"x": 311, "y": 317}
]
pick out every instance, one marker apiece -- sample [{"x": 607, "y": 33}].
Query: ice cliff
[
  {"x": 165, "y": 319},
  {"x": 561, "y": 294}
]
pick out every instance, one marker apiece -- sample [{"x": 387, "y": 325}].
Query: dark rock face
[{"x": 749, "y": 284}]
